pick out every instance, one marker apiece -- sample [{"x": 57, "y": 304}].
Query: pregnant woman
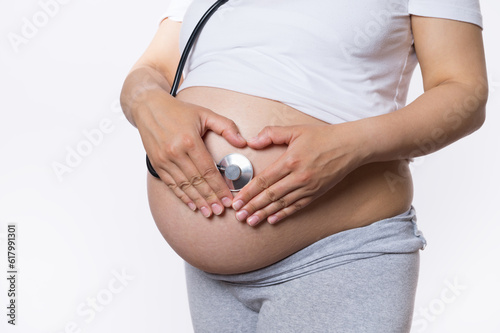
[{"x": 313, "y": 93}]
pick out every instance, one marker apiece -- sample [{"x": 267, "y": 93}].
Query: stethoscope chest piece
[{"x": 237, "y": 171}]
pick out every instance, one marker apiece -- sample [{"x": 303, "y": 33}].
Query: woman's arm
[
  {"x": 451, "y": 58},
  {"x": 172, "y": 131},
  {"x": 453, "y": 67}
]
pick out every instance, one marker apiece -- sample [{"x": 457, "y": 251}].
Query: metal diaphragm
[{"x": 237, "y": 171}]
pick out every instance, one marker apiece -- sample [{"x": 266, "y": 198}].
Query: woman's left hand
[{"x": 317, "y": 158}]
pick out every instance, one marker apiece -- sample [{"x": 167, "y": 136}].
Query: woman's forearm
[
  {"x": 140, "y": 83},
  {"x": 437, "y": 118}
]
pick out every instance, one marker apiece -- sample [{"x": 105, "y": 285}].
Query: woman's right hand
[{"x": 171, "y": 132}]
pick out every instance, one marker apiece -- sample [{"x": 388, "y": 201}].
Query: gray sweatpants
[{"x": 359, "y": 280}]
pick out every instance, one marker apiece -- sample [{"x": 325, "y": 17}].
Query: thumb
[
  {"x": 277, "y": 135},
  {"x": 226, "y": 128}
]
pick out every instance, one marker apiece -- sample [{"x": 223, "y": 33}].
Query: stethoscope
[{"x": 236, "y": 169}]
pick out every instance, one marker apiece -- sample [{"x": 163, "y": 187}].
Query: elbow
[
  {"x": 479, "y": 101},
  {"x": 472, "y": 108},
  {"x": 125, "y": 96},
  {"x": 125, "y": 101},
  {"x": 475, "y": 118},
  {"x": 480, "y": 118}
]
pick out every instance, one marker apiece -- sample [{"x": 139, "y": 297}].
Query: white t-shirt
[{"x": 334, "y": 60}]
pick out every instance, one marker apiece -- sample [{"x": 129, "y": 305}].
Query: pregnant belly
[{"x": 222, "y": 244}]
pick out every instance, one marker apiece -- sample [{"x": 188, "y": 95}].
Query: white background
[{"x": 76, "y": 234}]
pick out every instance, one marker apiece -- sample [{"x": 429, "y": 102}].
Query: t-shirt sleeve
[
  {"x": 176, "y": 10},
  {"x": 459, "y": 10}
]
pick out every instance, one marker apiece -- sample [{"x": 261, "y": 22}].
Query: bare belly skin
[{"x": 222, "y": 244}]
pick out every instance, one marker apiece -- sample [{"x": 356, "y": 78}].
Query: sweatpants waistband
[{"x": 398, "y": 234}]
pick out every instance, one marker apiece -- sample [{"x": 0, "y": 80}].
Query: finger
[
  {"x": 272, "y": 135},
  {"x": 269, "y": 201},
  {"x": 169, "y": 181},
  {"x": 274, "y": 207},
  {"x": 194, "y": 166},
  {"x": 171, "y": 175},
  {"x": 194, "y": 183},
  {"x": 291, "y": 209},
  {"x": 213, "y": 187},
  {"x": 264, "y": 180},
  {"x": 226, "y": 128},
  {"x": 185, "y": 185}
]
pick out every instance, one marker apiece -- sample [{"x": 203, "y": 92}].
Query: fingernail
[
  {"x": 241, "y": 216},
  {"x": 253, "y": 139},
  {"x": 253, "y": 220},
  {"x": 192, "y": 206},
  {"x": 226, "y": 202},
  {"x": 272, "y": 219},
  {"x": 205, "y": 211},
  {"x": 238, "y": 205},
  {"x": 217, "y": 209},
  {"x": 240, "y": 137}
]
